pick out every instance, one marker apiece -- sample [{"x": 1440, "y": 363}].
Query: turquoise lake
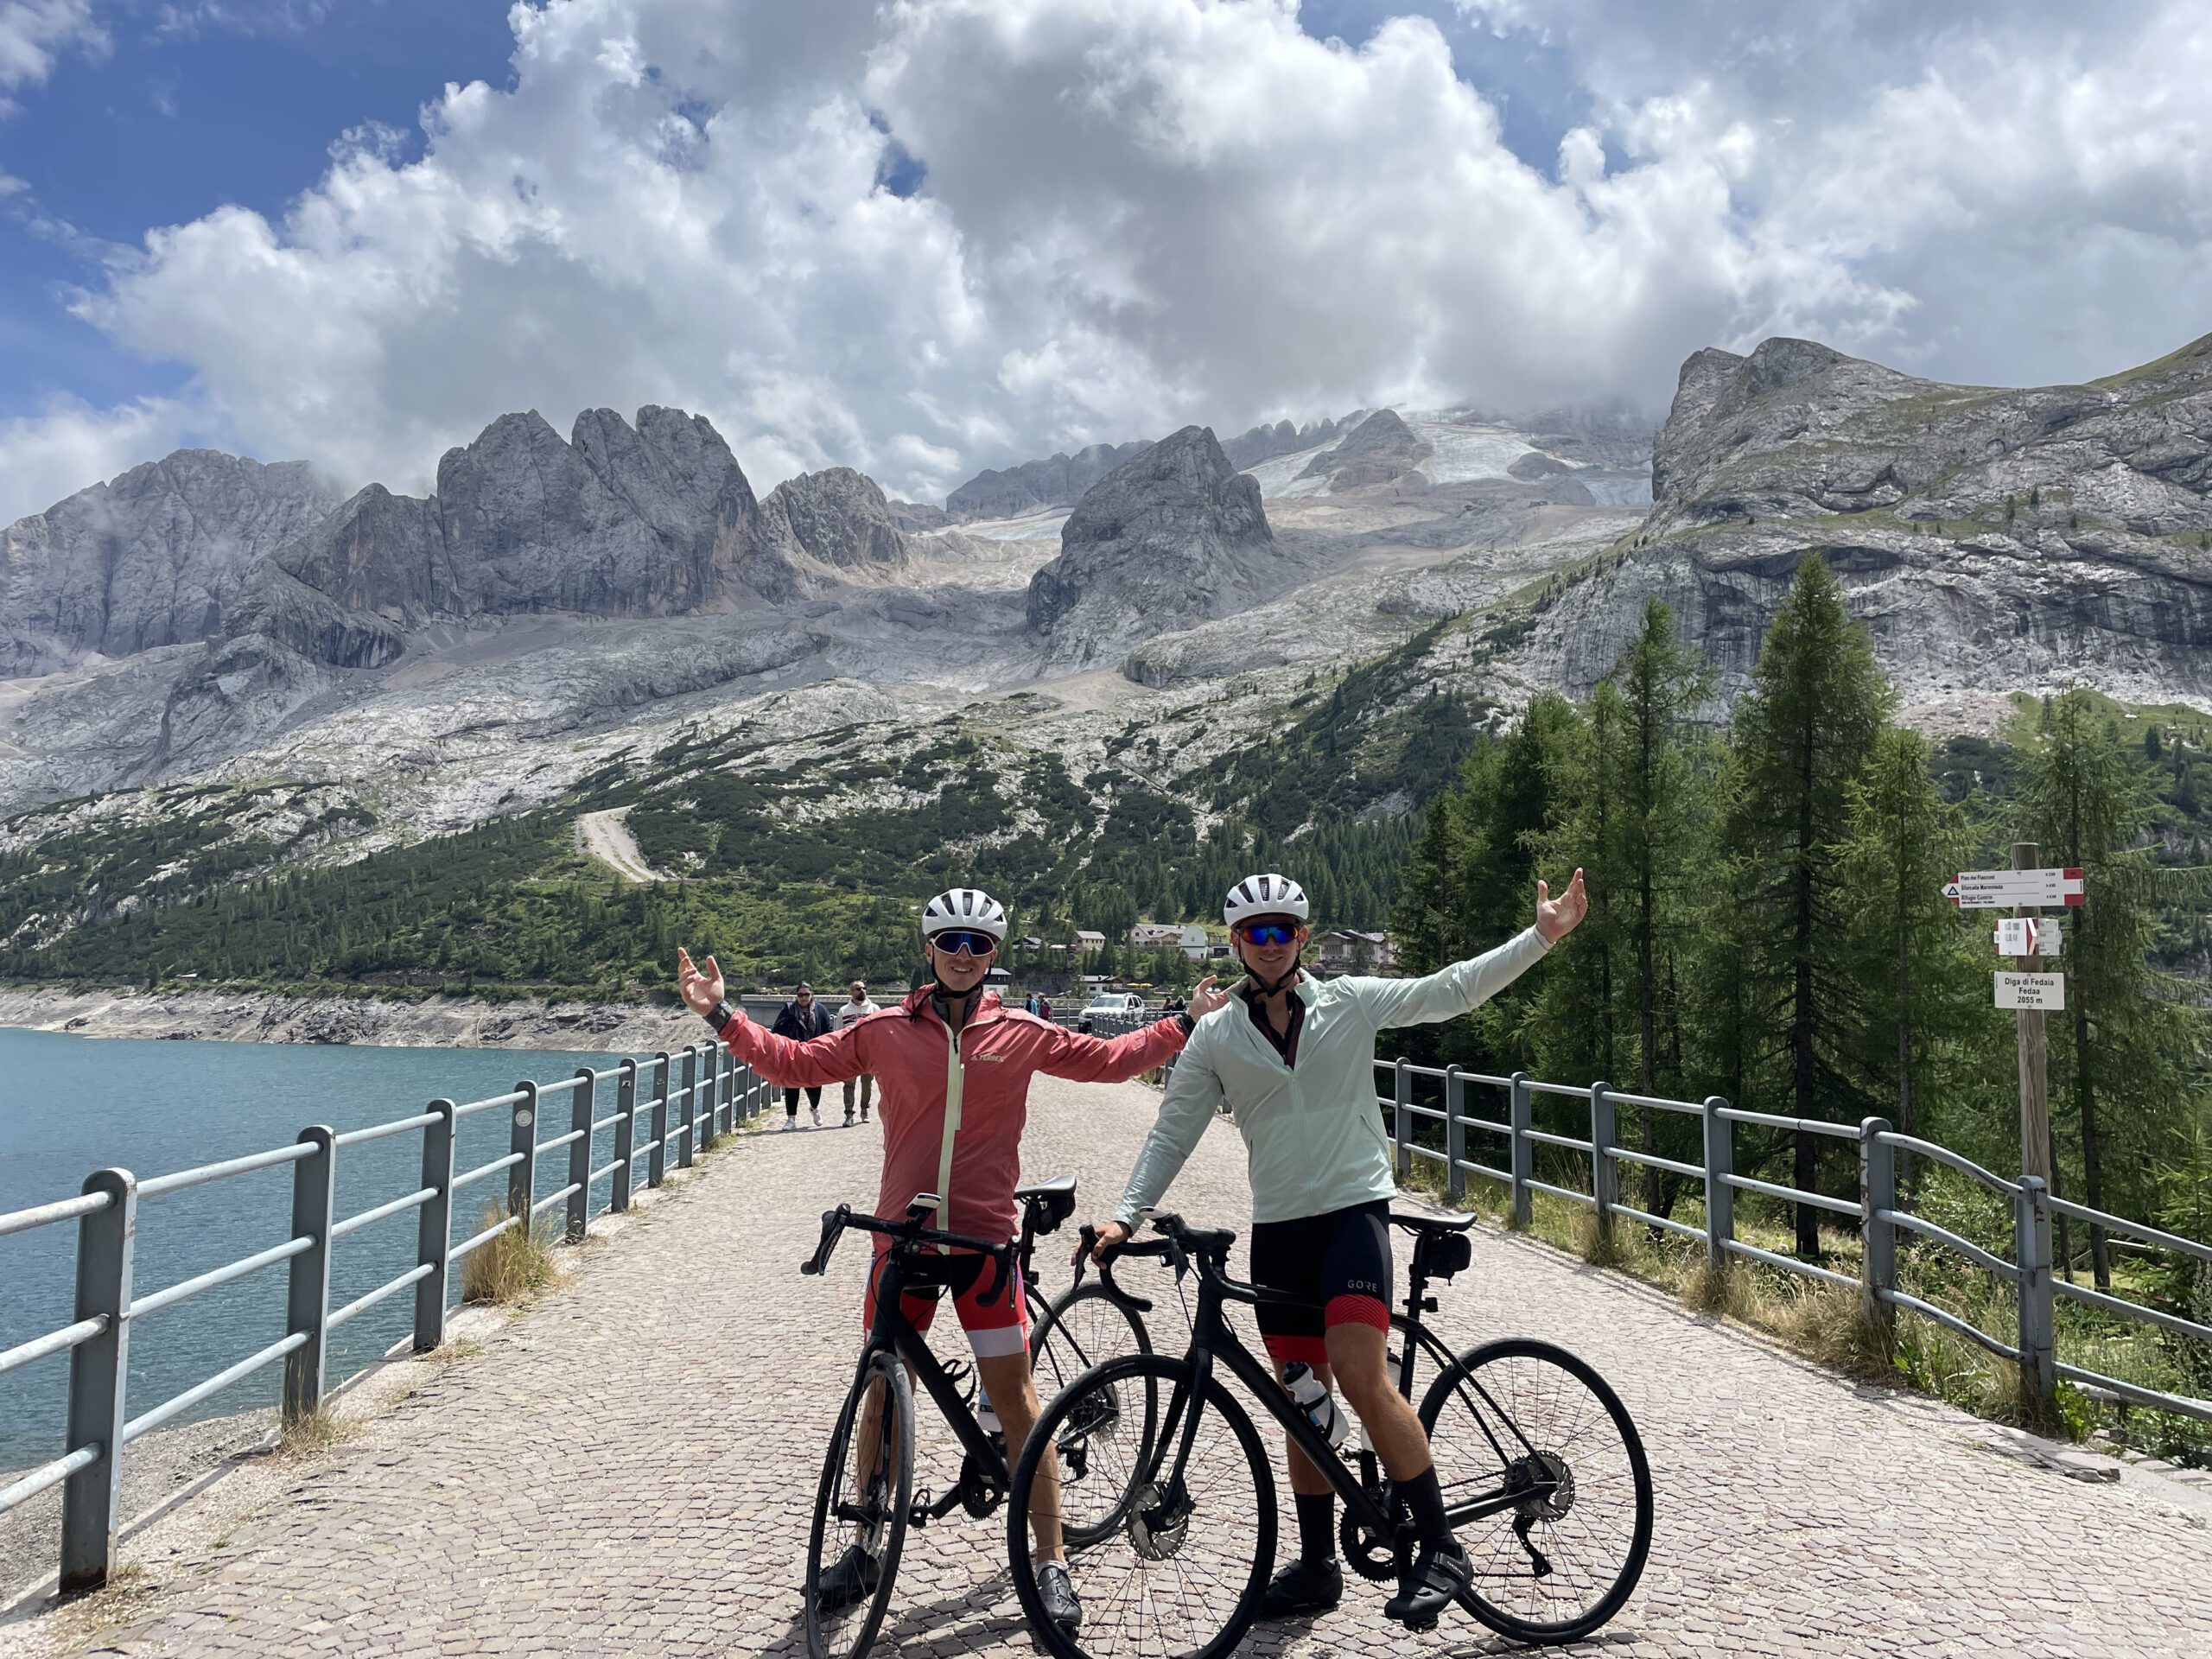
[{"x": 69, "y": 1105}]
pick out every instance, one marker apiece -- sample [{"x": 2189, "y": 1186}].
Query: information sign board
[
  {"x": 2006, "y": 889},
  {"x": 2028, "y": 936},
  {"x": 2030, "y": 990}
]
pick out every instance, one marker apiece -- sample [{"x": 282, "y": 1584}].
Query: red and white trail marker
[{"x": 2014, "y": 889}]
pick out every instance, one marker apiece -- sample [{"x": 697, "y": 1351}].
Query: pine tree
[
  {"x": 1924, "y": 975},
  {"x": 1803, "y": 736},
  {"x": 2130, "y": 1064}
]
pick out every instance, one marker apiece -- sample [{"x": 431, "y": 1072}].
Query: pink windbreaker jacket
[{"x": 919, "y": 1068}]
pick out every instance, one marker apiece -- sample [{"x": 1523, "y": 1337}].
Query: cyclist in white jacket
[{"x": 1293, "y": 1059}]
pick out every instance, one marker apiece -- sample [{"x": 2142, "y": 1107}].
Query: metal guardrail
[
  {"x": 715, "y": 1094},
  {"x": 1879, "y": 1219}
]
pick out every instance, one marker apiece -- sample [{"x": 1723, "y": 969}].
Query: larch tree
[{"x": 1803, "y": 735}]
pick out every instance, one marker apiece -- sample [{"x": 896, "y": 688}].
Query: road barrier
[
  {"x": 687, "y": 1101},
  {"x": 1875, "y": 1212}
]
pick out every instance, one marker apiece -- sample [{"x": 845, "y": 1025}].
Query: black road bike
[
  {"x": 1544, "y": 1476},
  {"x": 866, "y": 1500}
]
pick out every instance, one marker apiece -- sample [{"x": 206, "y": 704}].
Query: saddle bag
[{"x": 1442, "y": 1255}]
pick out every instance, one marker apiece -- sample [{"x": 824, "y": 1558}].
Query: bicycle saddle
[
  {"x": 1051, "y": 1202},
  {"x": 1425, "y": 1226}
]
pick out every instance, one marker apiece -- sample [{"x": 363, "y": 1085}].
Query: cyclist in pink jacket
[{"x": 953, "y": 1068}]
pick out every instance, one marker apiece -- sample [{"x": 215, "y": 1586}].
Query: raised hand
[
  {"x": 1205, "y": 998},
  {"x": 1557, "y": 917},
  {"x": 700, "y": 991}
]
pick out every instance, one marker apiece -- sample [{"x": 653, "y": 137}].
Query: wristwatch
[
  {"x": 720, "y": 1014},
  {"x": 1183, "y": 1019}
]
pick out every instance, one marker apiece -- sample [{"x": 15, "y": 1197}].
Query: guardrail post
[
  {"x": 99, "y": 1370},
  {"x": 625, "y": 1131},
  {"x": 1719, "y": 1196},
  {"x": 710, "y": 1073},
  {"x": 689, "y": 1112},
  {"x": 1604, "y": 1174},
  {"x": 657, "y": 1166},
  {"x": 2031, "y": 1250},
  {"x": 1455, "y": 1136},
  {"x": 579, "y": 1111},
  {"x": 1521, "y": 1151},
  {"x": 434, "y": 1228},
  {"x": 307, "y": 1302},
  {"x": 728, "y": 1092},
  {"x": 522, "y": 1137},
  {"x": 1877, "y": 1201},
  {"x": 1401, "y": 1094}
]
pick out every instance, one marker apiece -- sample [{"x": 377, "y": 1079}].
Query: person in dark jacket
[{"x": 802, "y": 1019}]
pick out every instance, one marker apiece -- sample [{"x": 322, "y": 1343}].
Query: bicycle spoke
[{"x": 1521, "y": 1424}]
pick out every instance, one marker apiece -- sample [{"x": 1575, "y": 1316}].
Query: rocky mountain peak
[
  {"x": 1379, "y": 449},
  {"x": 839, "y": 517},
  {"x": 1173, "y": 536},
  {"x": 155, "y": 557}
]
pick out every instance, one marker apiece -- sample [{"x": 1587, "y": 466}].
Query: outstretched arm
[
  {"x": 1110, "y": 1059},
  {"x": 788, "y": 1063},
  {"x": 1465, "y": 985}
]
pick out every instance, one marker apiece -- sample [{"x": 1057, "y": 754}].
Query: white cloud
[
  {"x": 1141, "y": 212},
  {"x": 34, "y": 33},
  {"x": 68, "y": 445}
]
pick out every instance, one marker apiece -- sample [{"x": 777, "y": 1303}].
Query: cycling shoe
[
  {"x": 1057, "y": 1593},
  {"x": 1303, "y": 1587},
  {"x": 1436, "y": 1580},
  {"x": 849, "y": 1578}
]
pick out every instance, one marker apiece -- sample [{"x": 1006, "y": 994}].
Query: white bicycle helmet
[
  {"x": 965, "y": 907},
  {"x": 1264, "y": 895}
]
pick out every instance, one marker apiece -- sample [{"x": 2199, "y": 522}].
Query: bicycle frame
[
  {"x": 1213, "y": 1338},
  {"x": 892, "y": 1332}
]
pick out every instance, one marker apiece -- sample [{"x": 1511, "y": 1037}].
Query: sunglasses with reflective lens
[
  {"x": 1267, "y": 933},
  {"x": 963, "y": 943}
]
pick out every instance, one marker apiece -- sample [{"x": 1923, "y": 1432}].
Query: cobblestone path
[{"x": 628, "y": 1470}]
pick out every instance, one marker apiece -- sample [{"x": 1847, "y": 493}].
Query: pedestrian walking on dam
[
  {"x": 857, "y": 1006},
  {"x": 802, "y": 1019}
]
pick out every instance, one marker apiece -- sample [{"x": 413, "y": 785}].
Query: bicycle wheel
[
  {"x": 1180, "y": 1565},
  {"x": 860, "y": 1511},
  {"x": 1534, "y": 1436},
  {"x": 1083, "y": 1329}
]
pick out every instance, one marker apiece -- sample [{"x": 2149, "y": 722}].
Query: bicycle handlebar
[
  {"x": 1162, "y": 1247},
  {"x": 834, "y": 1222}
]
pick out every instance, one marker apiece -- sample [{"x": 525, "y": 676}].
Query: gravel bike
[
  {"x": 1545, "y": 1480},
  {"x": 865, "y": 1499}
]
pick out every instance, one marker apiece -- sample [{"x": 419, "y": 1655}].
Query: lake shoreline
[{"x": 363, "y": 1021}]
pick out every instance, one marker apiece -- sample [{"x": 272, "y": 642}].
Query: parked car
[{"x": 1116, "y": 1002}]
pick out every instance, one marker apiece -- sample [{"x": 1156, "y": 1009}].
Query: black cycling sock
[
  {"x": 1316, "y": 1527},
  {"x": 1425, "y": 1502}
]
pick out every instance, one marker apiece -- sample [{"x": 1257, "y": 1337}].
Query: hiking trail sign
[
  {"x": 2007, "y": 889},
  {"x": 2028, "y": 936}
]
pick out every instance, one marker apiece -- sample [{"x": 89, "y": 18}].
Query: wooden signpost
[{"x": 2025, "y": 938}]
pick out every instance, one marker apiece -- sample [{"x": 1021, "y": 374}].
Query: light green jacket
[{"x": 1314, "y": 1135}]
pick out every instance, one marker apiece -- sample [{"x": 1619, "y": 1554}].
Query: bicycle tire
[
  {"x": 896, "y": 1503},
  {"x": 1170, "y": 1378},
  {"x": 1442, "y": 1392}
]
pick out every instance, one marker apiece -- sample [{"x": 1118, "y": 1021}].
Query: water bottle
[{"x": 1313, "y": 1400}]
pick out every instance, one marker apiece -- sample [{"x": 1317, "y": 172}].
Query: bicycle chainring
[
  {"x": 979, "y": 1493},
  {"x": 1374, "y": 1559}
]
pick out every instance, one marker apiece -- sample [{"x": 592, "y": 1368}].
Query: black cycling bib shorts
[{"x": 1337, "y": 1263}]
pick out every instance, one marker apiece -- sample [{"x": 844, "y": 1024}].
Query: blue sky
[
  {"x": 165, "y": 125},
  {"x": 966, "y": 232}
]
